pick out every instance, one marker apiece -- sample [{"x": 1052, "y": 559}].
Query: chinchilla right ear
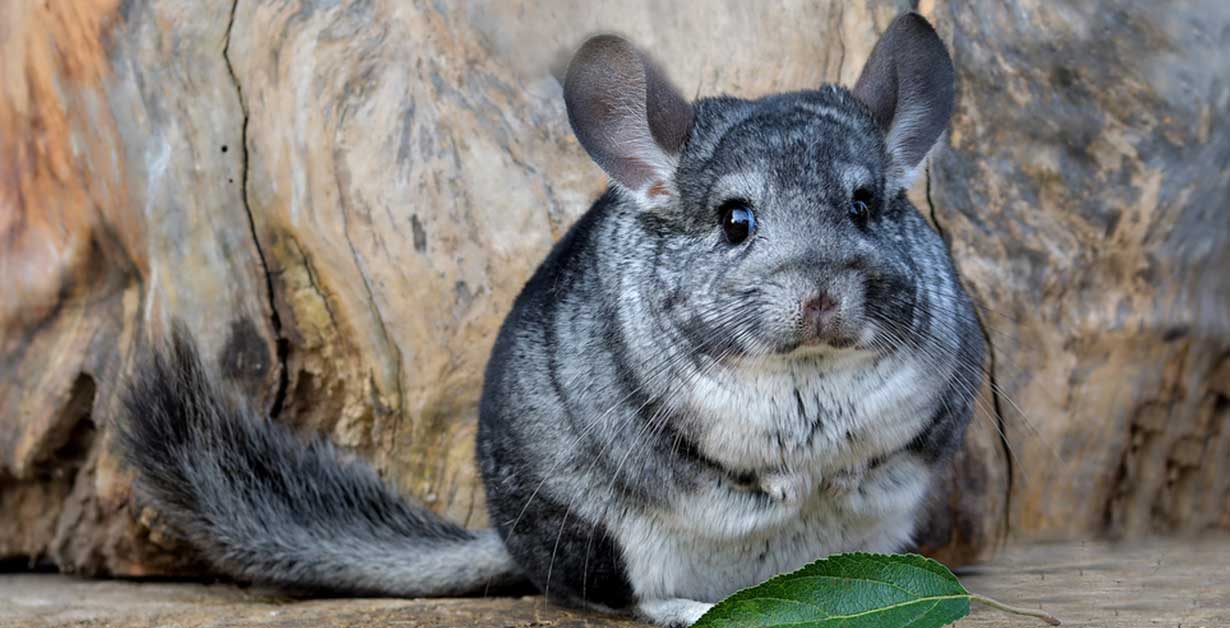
[
  {"x": 628, "y": 116},
  {"x": 908, "y": 84}
]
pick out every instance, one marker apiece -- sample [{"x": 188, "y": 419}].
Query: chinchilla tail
[{"x": 261, "y": 505}]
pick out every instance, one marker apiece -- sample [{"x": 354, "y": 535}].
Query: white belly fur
[{"x": 716, "y": 540}]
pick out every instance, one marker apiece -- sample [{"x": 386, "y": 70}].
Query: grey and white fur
[{"x": 751, "y": 352}]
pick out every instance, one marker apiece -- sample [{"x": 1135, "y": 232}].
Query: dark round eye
[
  {"x": 738, "y": 221},
  {"x": 860, "y": 206}
]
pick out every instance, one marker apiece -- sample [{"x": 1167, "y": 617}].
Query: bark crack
[
  {"x": 841, "y": 40},
  {"x": 281, "y": 344},
  {"x": 377, "y": 315},
  {"x": 996, "y": 404},
  {"x": 309, "y": 268}
]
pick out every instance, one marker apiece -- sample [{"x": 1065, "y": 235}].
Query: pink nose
[{"x": 818, "y": 312}]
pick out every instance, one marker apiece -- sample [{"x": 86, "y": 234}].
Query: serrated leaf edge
[
  {"x": 910, "y": 560},
  {"x": 935, "y": 600}
]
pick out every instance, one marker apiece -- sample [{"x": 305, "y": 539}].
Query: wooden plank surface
[{"x": 1172, "y": 583}]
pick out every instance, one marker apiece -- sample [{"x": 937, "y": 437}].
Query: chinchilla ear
[
  {"x": 628, "y": 116},
  {"x": 908, "y": 86}
]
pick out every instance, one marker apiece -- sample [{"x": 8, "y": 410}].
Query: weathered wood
[
  {"x": 1085, "y": 193},
  {"x": 1140, "y": 585},
  {"x": 342, "y": 200},
  {"x": 120, "y": 205}
]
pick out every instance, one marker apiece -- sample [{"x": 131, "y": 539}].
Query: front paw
[
  {"x": 844, "y": 483},
  {"x": 787, "y": 488},
  {"x": 672, "y": 613}
]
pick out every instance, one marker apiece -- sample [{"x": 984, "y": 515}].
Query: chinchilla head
[{"x": 773, "y": 224}]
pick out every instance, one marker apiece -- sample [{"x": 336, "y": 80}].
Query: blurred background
[{"x": 341, "y": 199}]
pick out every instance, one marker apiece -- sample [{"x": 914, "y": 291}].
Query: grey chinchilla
[{"x": 751, "y": 352}]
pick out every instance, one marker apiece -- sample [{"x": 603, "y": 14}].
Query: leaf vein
[
  {"x": 921, "y": 615},
  {"x": 857, "y": 579},
  {"x": 883, "y": 609},
  {"x": 935, "y": 601}
]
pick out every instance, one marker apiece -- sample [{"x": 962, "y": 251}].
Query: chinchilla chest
[{"x": 833, "y": 473}]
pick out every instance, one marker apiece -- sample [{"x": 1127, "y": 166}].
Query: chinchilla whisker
[
  {"x": 1004, "y": 365},
  {"x": 948, "y": 294},
  {"x": 964, "y": 317},
  {"x": 651, "y": 373},
  {"x": 930, "y": 350},
  {"x": 671, "y": 361}
]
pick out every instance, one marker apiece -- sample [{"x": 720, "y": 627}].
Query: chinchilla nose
[{"x": 818, "y": 313}]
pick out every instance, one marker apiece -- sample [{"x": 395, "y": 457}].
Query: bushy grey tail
[{"x": 263, "y": 506}]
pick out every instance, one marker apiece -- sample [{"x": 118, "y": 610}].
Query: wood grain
[
  {"x": 1084, "y": 193},
  {"x": 119, "y": 205},
  {"x": 343, "y": 198}
]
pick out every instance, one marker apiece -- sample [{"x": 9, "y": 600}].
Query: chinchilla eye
[
  {"x": 860, "y": 206},
  {"x": 738, "y": 221}
]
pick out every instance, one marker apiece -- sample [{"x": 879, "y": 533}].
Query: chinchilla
[{"x": 751, "y": 352}]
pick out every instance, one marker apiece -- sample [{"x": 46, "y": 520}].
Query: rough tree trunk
[{"x": 342, "y": 200}]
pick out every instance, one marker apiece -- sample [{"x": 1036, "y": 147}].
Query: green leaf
[{"x": 850, "y": 591}]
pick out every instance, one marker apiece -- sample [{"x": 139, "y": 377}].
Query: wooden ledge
[{"x": 1148, "y": 583}]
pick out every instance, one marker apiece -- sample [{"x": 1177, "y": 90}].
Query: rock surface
[{"x": 343, "y": 198}]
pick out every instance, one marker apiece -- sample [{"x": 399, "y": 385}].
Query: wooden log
[
  {"x": 120, "y": 205},
  {"x": 342, "y": 200},
  {"x": 1084, "y": 193}
]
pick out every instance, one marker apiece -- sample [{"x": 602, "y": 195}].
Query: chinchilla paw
[
  {"x": 843, "y": 482},
  {"x": 787, "y": 488}
]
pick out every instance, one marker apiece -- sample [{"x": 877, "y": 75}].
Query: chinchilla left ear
[{"x": 628, "y": 116}]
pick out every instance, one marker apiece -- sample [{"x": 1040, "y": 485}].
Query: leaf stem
[{"x": 1043, "y": 615}]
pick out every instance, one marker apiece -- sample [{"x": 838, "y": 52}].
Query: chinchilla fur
[{"x": 751, "y": 352}]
